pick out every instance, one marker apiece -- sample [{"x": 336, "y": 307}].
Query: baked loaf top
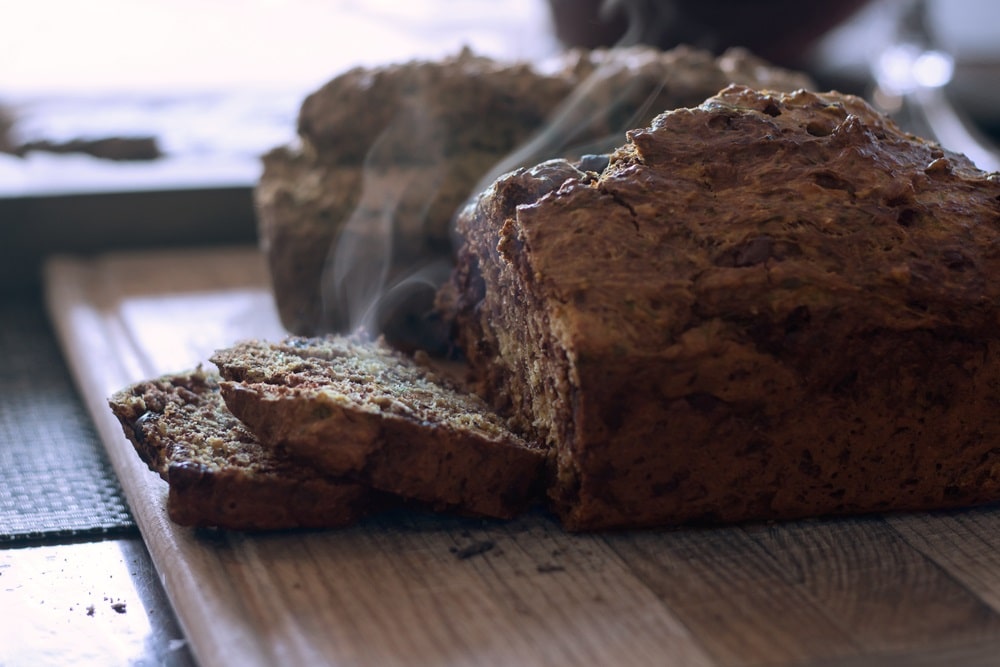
[
  {"x": 763, "y": 209},
  {"x": 386, "y": 157},
  {"x": 219, "y": 474},
  {"x": 419, "y": 111},
  {"x": 769, "y": 305},
  {"x": 364, "y": 410}
]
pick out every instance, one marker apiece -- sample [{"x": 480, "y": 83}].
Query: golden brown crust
[
  {"x": 362, "y": 410},
  {"x": 767, "y": 306},
  {"x": 218, "y": 473}
]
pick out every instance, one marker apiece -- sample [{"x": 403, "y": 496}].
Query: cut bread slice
[
  {"x": 218, "y": 473},
  {"x": 363, "y": 410}
]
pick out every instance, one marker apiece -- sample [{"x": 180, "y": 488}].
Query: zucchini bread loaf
[
  {"x": 386, "y": 156},
  {"x": 768, "y": 306},
  {"x": 219, "y": 475}
]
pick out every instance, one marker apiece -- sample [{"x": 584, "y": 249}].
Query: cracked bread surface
[
  {"x": 219, "y": 475},
  {"x": 364, "y": 410},
  {"x": 767, "y": 306}
]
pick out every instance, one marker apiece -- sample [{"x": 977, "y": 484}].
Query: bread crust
[
  {"x": 768, "y": 306},
  {"x": 219, "y": 475}
]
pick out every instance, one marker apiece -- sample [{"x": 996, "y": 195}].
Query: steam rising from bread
[
  {"x": 357, "y": 222},
  {"x": 360, "y": 287}
]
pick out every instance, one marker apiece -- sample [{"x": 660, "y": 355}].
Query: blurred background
[{"x": 215, "y": 82}]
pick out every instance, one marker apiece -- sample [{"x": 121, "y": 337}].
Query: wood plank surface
[{"x": 412, "y": 588}]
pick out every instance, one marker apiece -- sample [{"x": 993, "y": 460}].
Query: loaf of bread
[
  {"x": 386, "y": 156},
  {"x": 362, "y": 410},
  {"x": 767, "y": 306},
  {"x": 218, "y": 473}
]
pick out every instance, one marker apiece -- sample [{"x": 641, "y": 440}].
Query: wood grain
[
  {"x": 413, "y": 588},
  {"x": 861, "y": 569},
  {"x": 964, "y": 544}
]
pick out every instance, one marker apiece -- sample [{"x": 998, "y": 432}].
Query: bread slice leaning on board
[
  {"x": 219, "y": 475},
  {"x": 362, "y": 410}
]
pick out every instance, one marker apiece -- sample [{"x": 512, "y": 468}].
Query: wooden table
[{"x": 418, "y": 589}]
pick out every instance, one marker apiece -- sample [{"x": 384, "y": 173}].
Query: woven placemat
[{"x": 55, "y": 478}]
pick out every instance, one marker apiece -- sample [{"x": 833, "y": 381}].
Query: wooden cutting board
[{"x": 418, "y": 589}]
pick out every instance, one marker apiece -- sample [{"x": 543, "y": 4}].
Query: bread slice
[
  {"x": 219, "y": 475},
  {"x": 363, "y": 410}
]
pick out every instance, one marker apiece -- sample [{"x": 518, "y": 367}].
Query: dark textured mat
[{"x": 55, "y": 478}]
